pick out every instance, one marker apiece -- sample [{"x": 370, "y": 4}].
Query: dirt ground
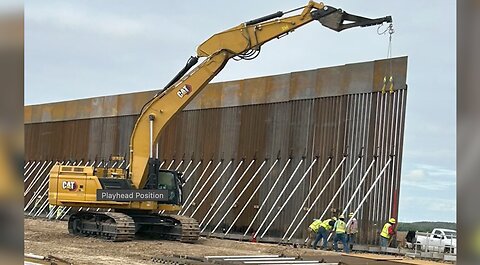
[{"x": 43, "y": 237}]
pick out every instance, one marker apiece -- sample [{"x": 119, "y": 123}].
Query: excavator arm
[{"x": 241, "y": 42}]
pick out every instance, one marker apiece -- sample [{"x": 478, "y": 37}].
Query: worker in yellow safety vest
[
  {"x": 387, "y": 232},
  {"x": 324, "y": 231},
  {"x": 312, "y": 231},
  {"x": 340, "y": 229}
]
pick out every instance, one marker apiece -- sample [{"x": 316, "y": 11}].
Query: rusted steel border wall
[{"x": 370, "y": 124}]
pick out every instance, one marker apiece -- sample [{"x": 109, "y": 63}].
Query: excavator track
[
  {"x": 118, "y": 226},
  {"x": 190, "y": 231},
  {"x": 167, "y": 226},
  {"x": 112, "y": 226}
]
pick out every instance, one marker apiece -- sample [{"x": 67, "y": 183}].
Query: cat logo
[
  {"x": 185, "y": 90},
  {"x": 69, "y": 185}
]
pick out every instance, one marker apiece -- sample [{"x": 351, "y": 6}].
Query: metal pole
[
  {"x": 65, "y": 213},
  {"x": 42, "y": 207},
  {"x": 179, "y": 164},
  {"x": 211, "y": 188},
  {"x": 228, "y": 194},
  {"x": 369, "y": 191},
  {"x": 151, "y": 119},
  {"x": 33, "y": 208},
  {"x": 267, "y": 196},
  {"x": 36, "y": 193},
  {"x": 171, "y": 163},
  {"x": 244, "y": 260},
  {"x": 293, "y": 191},
  {"x": 39, "y": 177},
  {"x": 161, "y": 164},
  {"x": 156, "y": 151},
  {"x": 50, "y": 213},
  {"x": 220, "y": 194},
  {"x": 240, "y": 194},
  {"x": 188, "y": 165},
  {"x": 199, "y": 179},
  {"x": 28, "y": 172},
  {"x": 244, "y": 256},
  {"x": 38, "y": 212},
  {"x": 278, "y": 198},
  {"x": 200, "y": 190},
  {"x": 251, "y": 196},
  {"x": 119, "y": 166},
  {"x": 35, "y": 179},
  {"x": 329, "y": 204},
  {"x": 191, "y": 173},
  {"x": 183, "y": 184},
  {"x": 359, "y": 185},
  {"x": 357, "y": 189},
  {"x": 28, "y": 165},
  {"x": 311, "y": 191}
]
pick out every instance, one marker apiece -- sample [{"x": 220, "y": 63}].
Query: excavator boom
[{"x": 241, "y": 42}]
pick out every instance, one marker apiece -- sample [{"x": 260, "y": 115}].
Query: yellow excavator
[{"x": 160, "y": 190}]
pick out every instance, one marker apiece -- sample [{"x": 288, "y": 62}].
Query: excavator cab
[
  {"x": 163, "y": 179},
  {"x": 171, "y": 181}
]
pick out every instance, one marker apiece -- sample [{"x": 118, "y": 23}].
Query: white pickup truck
[{"x": 439, "y": 240}]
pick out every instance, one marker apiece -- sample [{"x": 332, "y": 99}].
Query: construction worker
[
  {"x": 51, "y": 207},
  {"x": 59, "y": 212},
  {"x": 352, "y": 230},
  {"x": 37, "y": 204},
  {"x": 312, "y": 231},
  {"x": 387, "y": 232},
  {"x": 340, "y": 229},
  {"x": 324, "y": 231}
]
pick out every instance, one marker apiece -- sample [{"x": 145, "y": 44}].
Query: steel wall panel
[{"x": 226, "y": 126}]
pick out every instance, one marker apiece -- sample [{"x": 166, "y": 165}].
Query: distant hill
[{"x": 425, "y": 226}]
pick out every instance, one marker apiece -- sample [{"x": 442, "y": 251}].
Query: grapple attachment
[{"x": 338, "y": 20}]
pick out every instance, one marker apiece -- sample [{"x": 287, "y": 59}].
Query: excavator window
[{"x": 166, "y": 180}]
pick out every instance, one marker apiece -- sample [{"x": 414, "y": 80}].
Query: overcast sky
[{"x": 80, "y": 49}]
